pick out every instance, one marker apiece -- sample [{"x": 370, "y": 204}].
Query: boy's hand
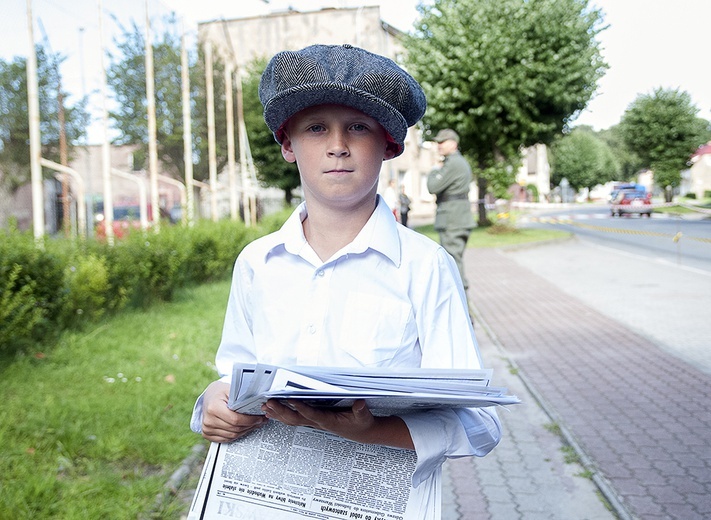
[
  {"x": 219, "y": 423},
  {"x": 356, "y": 424}
]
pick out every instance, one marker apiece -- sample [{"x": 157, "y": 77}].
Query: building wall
[
  {"x": 245, "y": 39},
  {"x": 535, "y": 170},
  {"x": 701, "y": 175},
  {"x": 241, "y": 41},
  {"x": 88, "y": 163}
]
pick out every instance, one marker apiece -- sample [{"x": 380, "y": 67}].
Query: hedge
[{"x": 70, "y": 283}]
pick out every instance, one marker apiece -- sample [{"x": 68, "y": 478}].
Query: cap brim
[{"x": 284, "y": 105}]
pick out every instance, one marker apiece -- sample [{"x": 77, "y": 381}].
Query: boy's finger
[{"x": 360, "y": 410}]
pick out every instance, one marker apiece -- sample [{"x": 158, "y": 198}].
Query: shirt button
[
  {"x": 312, "y": 329},
  {"x": 320, "y": 272}
]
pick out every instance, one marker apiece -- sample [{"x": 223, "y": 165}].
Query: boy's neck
[{"x": 330, "y": 230}]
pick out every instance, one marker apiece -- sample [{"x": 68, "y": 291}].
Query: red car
[{"x": 631, "y": 202}]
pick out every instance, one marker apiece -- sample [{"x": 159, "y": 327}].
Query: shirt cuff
[
  {"x": 196, "y": 419},
  {"x": 441, "y": 434}
]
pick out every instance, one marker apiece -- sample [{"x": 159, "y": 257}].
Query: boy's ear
[
  {"x": 287, "y": 151},
  {"x": 391, "y": 150}
]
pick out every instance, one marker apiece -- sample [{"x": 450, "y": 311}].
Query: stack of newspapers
[
  {"x": 385, "y": 390},
  {"x": 281, "y": 472}
]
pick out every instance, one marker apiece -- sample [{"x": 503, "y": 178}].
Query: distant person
[
  {"x": 450, "y": 183},
  {"x": 392, "y": 199},
  {"x": 404, "y": 205},
  {"x": 341, "y": 283}
]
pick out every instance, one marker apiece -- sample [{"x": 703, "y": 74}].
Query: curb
[{"x": 177, "y": 479}]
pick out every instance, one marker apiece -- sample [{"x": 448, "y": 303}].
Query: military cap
[{"x": 445, "y": 135}]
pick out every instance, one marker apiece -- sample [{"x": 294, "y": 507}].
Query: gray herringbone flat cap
[{"x": 341, "y": 75}]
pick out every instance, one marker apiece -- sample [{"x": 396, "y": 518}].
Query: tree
[
  {"x": 505, "y": 74},
  {"x": 272, "y": 169},
  {"x": 14, "y": 117},
  {"x": 628, "y": 162},
  {"x": 126, "y": 76},
  {"x": 663, "y": 130},
  {"x": 584, "y": 159}
]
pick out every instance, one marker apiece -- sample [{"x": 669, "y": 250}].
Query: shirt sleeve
[
  {"x": 237, "y": 343},
  {"x": 448, "y": 341},
  {"x": 442, "y": 434}
]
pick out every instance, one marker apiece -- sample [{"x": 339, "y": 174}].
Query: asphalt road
[{"x": 680, "y": 241}]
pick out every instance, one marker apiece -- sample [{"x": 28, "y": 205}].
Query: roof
[{"x": 703, "y": 150}]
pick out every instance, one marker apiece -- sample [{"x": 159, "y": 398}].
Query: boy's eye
[
  {"x": 316, "y": 128},
  {"x": 358, "y": 127}
]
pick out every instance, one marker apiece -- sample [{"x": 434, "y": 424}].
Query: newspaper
[
  {"x": 284, "y": 472},
  {"x": 386, "y": 391}
]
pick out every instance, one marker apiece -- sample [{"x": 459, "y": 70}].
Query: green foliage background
[
  {"x": 663, "y": 129},
  {"x": 69, "y": 285},
  {"x": 584, "y": 159},
  {"x": 126, "y": 77},
  {"x": 14, "y": 121},
  {"x": 505, "y": 73}
]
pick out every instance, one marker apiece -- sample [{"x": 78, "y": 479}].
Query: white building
[
  {"x": 700, "y": 171},
  {"x": 535, "y": 171}
]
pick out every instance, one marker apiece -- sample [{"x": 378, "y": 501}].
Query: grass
[
  {"x": 500, "y": 235},
  {"x": 94, "y": 426},
  {"x": 683, "y": 210}
]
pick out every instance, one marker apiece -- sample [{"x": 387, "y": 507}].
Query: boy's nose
[{"x": 337, "y": 145}]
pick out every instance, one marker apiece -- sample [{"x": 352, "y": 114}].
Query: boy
[{"x": 342, "y": 283}]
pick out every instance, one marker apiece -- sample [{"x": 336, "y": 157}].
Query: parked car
[
  {"x": 126, "y": 219},
  {"x": 632, "y": 202}
]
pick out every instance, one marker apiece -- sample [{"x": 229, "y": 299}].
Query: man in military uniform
[{"x": 450, "y": 183}]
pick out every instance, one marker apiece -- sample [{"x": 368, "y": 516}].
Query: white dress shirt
[{"x": 390, "y": 298}]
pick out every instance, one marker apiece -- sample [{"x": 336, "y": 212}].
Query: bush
[
  {"x": 38, "y": 279},
  {"x": 19, "y": 314},
  {"x": 157, "y": 258},
  {"x": 213, "y": 248},
  {"x": 533, "y": 190},
  {"x": 86, "y": 282},
  {"x": 71, "y": 283}
]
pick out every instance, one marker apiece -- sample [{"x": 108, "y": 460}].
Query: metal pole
[
  {"x": 187, "y": 133},
  {"x": 229, "y": 110},
  {"x": 69, "y": 172},
  {"x": 241, "y": 129},
  {"x": 152, "y": 145},
  {"x": 105, "y": 149},
  {"x": 212, "y": 152},
  {"x": 63, "y": 157},
  {"x": 35, "y": 144},
  {"x": 89, "y": 201}
]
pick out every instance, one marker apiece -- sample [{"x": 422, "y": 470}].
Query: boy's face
[{"x": 339, "y": 152}]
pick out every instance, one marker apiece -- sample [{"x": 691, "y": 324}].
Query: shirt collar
[
  {"x": 379, "y": 234},
  {"x": 291, "y": 235}
]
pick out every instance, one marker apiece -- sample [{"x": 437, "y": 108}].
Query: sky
[{"x": 647, "y": 43}]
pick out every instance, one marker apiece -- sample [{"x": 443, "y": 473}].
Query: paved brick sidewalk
[
  {"x": 531, "y": 475},
  {"x": 640, "y": 414}
]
